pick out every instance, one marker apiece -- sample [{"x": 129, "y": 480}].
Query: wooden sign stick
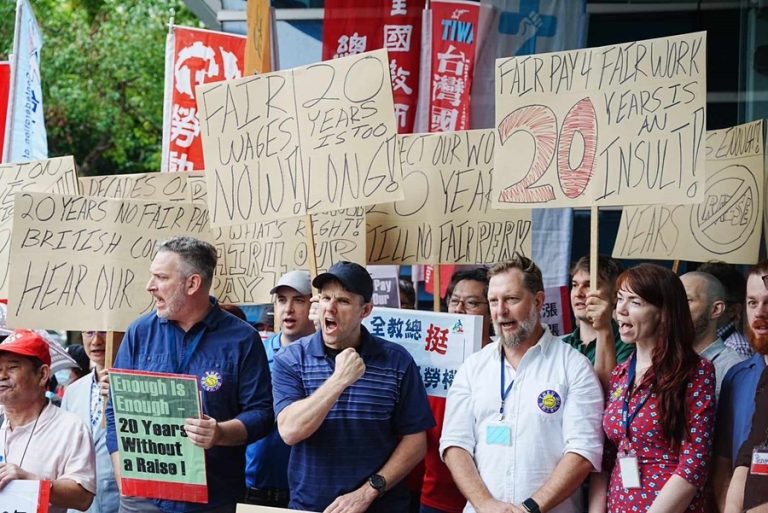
[
  {"x": 593, "y": 246},
  {"x": 311, "y": 257},
  {"x": 676, "y": 266},
  {"x": 436, "y": 287}
]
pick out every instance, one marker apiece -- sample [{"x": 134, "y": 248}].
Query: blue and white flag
[
  {"x": 523, "y": 27},
  {"x": 25, "y": 135}
]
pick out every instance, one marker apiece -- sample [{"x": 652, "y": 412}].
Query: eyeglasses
[
  {"x": 469, "y": 304},
  {"x": 91, "y": 334}
]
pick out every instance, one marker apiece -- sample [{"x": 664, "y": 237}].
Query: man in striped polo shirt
[{"x": 352, "y": 406}]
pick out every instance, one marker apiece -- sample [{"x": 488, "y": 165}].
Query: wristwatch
[
  {"x": 379, "y": 483},
  {"x": 531, "y": 506}
]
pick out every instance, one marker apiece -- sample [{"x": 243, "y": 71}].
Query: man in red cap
[{"x": 40, "y": 441}]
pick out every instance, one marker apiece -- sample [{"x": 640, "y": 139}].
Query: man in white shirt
[{"x": 523, "y": 420}]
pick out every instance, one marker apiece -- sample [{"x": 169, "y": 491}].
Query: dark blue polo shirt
[
  {"x": 362, "y": 429},
  {"x": 233, "y": 350}
]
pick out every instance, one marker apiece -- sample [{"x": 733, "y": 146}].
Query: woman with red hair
[{"x": 660, "y": 413}]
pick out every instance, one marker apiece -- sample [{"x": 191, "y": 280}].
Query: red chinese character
[{"x": 437, "y": 339}]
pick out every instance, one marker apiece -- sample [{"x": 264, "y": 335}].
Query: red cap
[{"x": 27, "y": 343}]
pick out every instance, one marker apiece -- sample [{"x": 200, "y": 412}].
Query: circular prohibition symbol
[{"x": 727, "y": 218}]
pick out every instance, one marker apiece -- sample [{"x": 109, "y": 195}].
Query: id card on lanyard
[
  {"x": 499, "y": 432},
  {"x": 628, "y": 463}
]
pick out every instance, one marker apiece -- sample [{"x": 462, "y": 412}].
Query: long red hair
[{"x": 673, "y": 359}]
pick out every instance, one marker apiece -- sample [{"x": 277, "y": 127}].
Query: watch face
[
  {"x": 378, "y": 482},
  {"x": 531, "y": 506}
]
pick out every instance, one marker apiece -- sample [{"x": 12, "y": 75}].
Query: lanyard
[
  {"x": 189, "y": 352},
  {"x": 504, "y": 392},
  {"x": 626, "y": 418}
]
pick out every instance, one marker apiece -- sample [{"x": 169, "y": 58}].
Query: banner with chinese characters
[
  {"x": 193, "y": 57},
  {"x": 356, "y": 26},
  {"x": 438, "y": 342},
  {"x": 555, "y": 311},
  {"x": 454, "y": 41}
]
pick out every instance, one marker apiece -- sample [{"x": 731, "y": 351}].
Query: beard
[
  {"x": 759, "y": 342},
  {"x": 173, "y": 305},
  {"x": 524, "y": 331},
  {"x": 701, "y": 325}
]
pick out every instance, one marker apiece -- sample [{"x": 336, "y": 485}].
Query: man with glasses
[
  {"x": 597, "y": 335},
  {"x": 736, "y": 405},
  {"x": 84, "y": 399},
  {"x": 352, "y": 406},
  {"x": 467, "y": 294}
]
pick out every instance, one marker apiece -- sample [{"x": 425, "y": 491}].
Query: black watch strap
[
  {"x": 531, "y": 506},
  {"x": 379, "y": 483}
]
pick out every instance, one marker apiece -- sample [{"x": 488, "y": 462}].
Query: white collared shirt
[{"x": 554, "y": 407}]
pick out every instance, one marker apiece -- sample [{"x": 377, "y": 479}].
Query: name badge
[
  {"x": 760, "y": 461},
  {"x": 630, "y": 471},
  {"x": 498, "y": 433}
]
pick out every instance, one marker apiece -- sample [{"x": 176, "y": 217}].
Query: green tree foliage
[{"x": 103, "y": 68}]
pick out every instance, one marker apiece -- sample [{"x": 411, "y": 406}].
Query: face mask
[{"x": 63, "y": 376}]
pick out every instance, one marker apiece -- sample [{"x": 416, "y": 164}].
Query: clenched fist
[{"x": 349, "y": 367}]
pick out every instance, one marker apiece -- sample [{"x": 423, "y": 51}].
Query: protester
[
  {"x": 597, "y": 335},
  {"x": 467, "y": 294},
  {"x": 737, "y": 405},
  {"x": 729, "y": 325},
  {"x": 407, "y": 294},
  {"x": 748, "y": 490},
  {"x": 660, "y": 416},
  {"x": 189, "y": 334},
  {"x": 266, "y": 470},
  {"x": 352, "y": 406},
  {"x": 522, "y": 423},
  {"x": 706, "y": 301},
  {"x": 84, "y": 399},
  {"x": 40, "y": 441}
]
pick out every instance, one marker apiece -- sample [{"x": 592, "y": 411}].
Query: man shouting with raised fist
[{"x": 352, "y": 405}]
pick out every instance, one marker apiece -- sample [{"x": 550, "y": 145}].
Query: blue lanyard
[
  {"x": 189, "y": 352},
  {"x": 503, "y": 392},
  {"x": 626, "y": 418}
]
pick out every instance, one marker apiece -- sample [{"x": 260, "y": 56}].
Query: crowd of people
[{"x": 656, "y": 402}]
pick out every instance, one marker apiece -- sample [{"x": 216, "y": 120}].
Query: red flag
[
  {"x": 193, "y": 57},
  {"x": 5, "y": 91},
  {"x": 357, "y": 26}
]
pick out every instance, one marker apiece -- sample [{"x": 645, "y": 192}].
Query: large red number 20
[{"x": 539, "y": 121}]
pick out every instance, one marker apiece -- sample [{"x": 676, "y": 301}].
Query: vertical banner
[
  {"x": 356, "y": 26},
  {"x": 438, "y": 342},
  {"x": 157, "y": 459},
  {"x": 258, "y": 48},
  {"x": 454, "y": 40},
  {"x": 25, "y": 135},
  {"x": 193, "y": 57},
  {"x": 5, "y": 92},
  {"x": 554, "y": 311}
]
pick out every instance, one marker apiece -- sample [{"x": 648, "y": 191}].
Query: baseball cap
[
  {"x": 353, "y": 277},
  {"x": 27, "y": 343},
  {"x": 300, "y": 281}
]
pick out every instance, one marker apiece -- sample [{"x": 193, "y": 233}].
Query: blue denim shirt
[{"x": 229, "y": 347}]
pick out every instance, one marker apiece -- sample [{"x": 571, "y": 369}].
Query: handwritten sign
[
  {"x": 145, "y": 186},
  {"x": 614, "y": 125},
  {"x": 82, "y": 263},
  {"x": 22, "y": 496},
  {"x": 53, "y": 175},
  {"x": 438, "y": 342},
  {"x": 307, "y": 140},
  {"x": 157, "y": 459},
  {"x": 725, "y": 226},
  {"x": 446, "y": 216},
  {"x": 253, "y": 257}
]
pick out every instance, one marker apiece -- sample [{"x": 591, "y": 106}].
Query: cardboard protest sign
[
  {"x": 252, "y": 257},
  {"x": 438, "y": 342},
  {"x": 53, "y": 175},
  {"x": 302, "y": 141},
  {"x": 386, "y": 285},
  {"x": 725, "y": 226},
  {"x": 144, "y": 186},
  {"x": 82, "y": 263},
  {"x": 446, "y": 216},
  {"x": 615, "y": 125},
  {"x": 157, "y": 459},
  {"x": 197, "y": 190}
]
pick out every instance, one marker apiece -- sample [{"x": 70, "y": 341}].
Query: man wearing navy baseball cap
[
  {"x": 39, "y": 441},
  {"x": 352, "y": 405}
]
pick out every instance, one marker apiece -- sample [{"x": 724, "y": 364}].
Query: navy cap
[{"x": 353, "y": 277}]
